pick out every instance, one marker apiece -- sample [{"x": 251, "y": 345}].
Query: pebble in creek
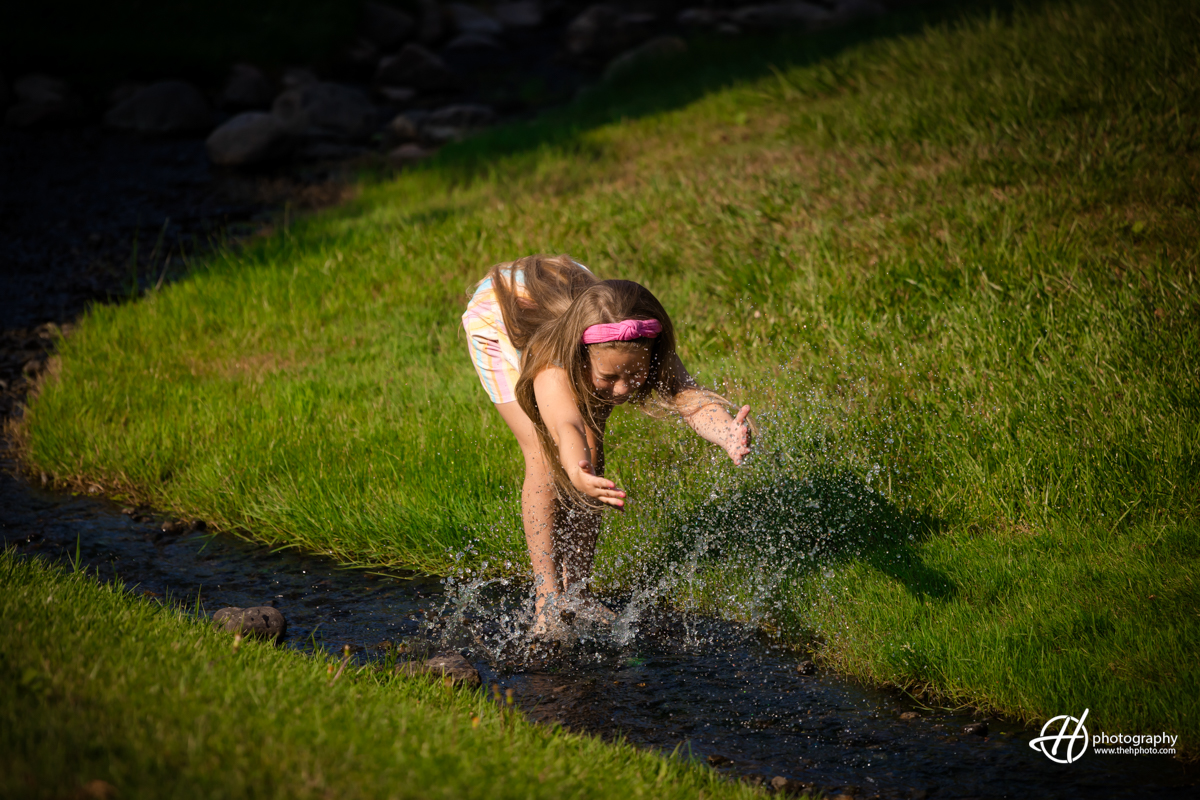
[{"x": 262, "y": 621}]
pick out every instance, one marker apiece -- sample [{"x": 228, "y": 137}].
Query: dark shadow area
[{"x": 800, "y": 525}]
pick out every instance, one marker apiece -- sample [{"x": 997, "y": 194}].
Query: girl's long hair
[{"x": 546, "y": 323}]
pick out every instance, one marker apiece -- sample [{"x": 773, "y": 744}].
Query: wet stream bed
[{"x": 722, "y": 693}]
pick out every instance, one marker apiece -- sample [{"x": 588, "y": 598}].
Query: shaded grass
[
  {"x": 956, "y": 268},
  {"x": 98, "y": 685}
]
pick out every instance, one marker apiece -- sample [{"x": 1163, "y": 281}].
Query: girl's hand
[
  {"x": 737, "y": 437},
  {"x": 599, "y": 488}
]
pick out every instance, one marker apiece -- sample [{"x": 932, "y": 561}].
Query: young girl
[{"x": 557, "y": 349}]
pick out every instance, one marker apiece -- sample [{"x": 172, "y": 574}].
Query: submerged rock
[
  {"x": 806, "y": 668},
  {"x": 976, "y": 729},
  {"x": 261, "y": 621},
  {"x": 451, "y": 666}
]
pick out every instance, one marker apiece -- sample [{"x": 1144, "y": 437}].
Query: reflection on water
[{"x": 715, "y": 689}]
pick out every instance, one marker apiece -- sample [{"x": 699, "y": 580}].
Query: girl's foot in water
[{"x": 591, "y": 611}]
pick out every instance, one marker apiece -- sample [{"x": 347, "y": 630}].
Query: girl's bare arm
[
  {"x": 713, "y": 423},
  {"x": 556, "y": 403}
]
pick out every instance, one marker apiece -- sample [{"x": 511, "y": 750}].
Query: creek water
[{"x": 716, "y": 690}]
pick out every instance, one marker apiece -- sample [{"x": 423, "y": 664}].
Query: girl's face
[{"x": 616, "y": 373}]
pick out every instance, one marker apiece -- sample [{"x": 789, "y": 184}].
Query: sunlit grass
[{"x": 954, "y": 264}]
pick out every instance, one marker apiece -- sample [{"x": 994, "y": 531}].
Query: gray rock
[
  {"x": 123, "y": 91},
  {"x": 462, "y": 115},
  {"x": 402, "y": 128},
  {"x": 298, "y": 78},
  {"x": 976, "y": 729},
  {"x": 362, "y": 53},
  {"x": 468, "y": 19},
  {"x": 42, "y": 101},
  {"x": 851, "y": 10},
  {"x": 416, "y": 67},
  {"x": 249, "y": 138},
  {"x": 699, "y": 18},
  {"x": 408, "y": 154},
  {"x": 433, "y": 26},
  {"x": 444, "y": 666},
  {"x": 168, "y": 107},
  {"x": 326, "y": 109},
  {"x": 474, "y": 41},
  {"x": 261, "y": 621},
  {"x": 386, "y": 26},
  {"x": 602, "y": 30},
  {"x": 522, "y": 14},
  {"x": 656, "y": 50},
  {"x": 40, "y": 88},
  {"x": 246, "y": 88},
  {"x": 397, "y": 95},
  {"x": 780, "y": 15}
]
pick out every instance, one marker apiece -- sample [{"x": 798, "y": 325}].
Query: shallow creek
[{"x": 717, "y": 690}]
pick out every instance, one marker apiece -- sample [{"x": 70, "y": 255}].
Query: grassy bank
[
  {"x": 953, "y": 267},
  {"x": 99, "y": 685}
]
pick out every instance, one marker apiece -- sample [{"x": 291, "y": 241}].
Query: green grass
[
  {"x": 952, "y": 266},
  {"x": 99, "y": 685}
]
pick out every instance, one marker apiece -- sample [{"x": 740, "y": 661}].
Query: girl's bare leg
[{"x": 539, "y": 505}]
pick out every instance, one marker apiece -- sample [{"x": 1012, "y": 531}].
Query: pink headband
[{"x": 622, "y": 331}]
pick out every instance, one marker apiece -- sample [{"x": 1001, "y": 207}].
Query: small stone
[
  {"x": 408, "y": 154},
  {"x": 261, "y": 621},
  {"x": 298, "y": 77},
  {"x": 806, "y": 668},
  {"x": 397, "y": 95},
  {"x": 909, "y": 715},
  {"x": 656, "y": 50},
  {"x": 42, "y": 101},
  {"x": 473, "y": 41},
  {"x": 362, "y": 53},
  {"x": 850, "y": 10},
  {"x": 432, "y": 24},
  {"x": 976, "y": 729},
  {"x": 601, "y": 30},
  {"x": 249, "y": 138},
  {"x": 386, "y": 26},
  {"x": 718, "y": 760},
  {"x": 699, "y": 18},
  {"x": 780, "y": 15},
  {"x": 129, "y": 511},
  {"x": 174, "y": 526},
  {"x": 780, "y": 784},
  {"x": 518, "y": 15},
  {"x": 165, "y": 108},
  {"x": 416, "y": 67},
  {"x": 468, "y": 19},
  {"x": 444, "y": 666},
  {"x": 326, "y": 109},
  {"x": 403, "y": 129},
  {"x": 246, "y": 88},
  {"x": 463, "y": 115}
]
